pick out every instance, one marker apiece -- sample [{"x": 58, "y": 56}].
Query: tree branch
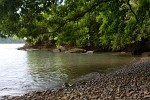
[
  {"x": 128, "y": 3},
  {"x": 80, "y": 15}
]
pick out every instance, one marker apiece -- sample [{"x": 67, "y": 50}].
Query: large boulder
[
  {"x": 90, "y": 52},
  {"x": 61, "y": 48}
]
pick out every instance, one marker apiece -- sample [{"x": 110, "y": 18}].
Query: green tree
[{"x": 109, "y": 24}]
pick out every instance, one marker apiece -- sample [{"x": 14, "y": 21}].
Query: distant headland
[{"x": 10, "y": 40}]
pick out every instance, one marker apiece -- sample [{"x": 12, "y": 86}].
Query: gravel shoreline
[{"x": 132, "y": 82}]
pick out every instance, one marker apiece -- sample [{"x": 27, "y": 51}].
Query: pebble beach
[{"x": 131, "y": 82}]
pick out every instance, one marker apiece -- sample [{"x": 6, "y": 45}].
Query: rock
[
  {"x": 123, "y": 52},
  {"x": 32, "y": 49},
  {"x": 67, "y": 52},
  {"x": 66, "y": 85},
  {"x": 61, "y": 48},
  {"x": 76, "y": 50},
  {"x": 64, "y": 98},
  {"x": 147, "y": 97},
  {"x": 90, "y": 52},
  {"x": 21, "y": 48},
  {"x": 56, "y": 50}
]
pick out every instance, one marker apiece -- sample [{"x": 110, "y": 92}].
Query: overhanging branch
[{"x": 80, "y": 15}]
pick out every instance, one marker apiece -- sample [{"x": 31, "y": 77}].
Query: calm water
[{"x": 25, "y": 71}]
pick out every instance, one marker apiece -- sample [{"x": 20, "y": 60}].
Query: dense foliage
[{"x": 82, "y": 23}]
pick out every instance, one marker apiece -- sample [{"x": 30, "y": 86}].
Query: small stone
[
  {"x": 66, "y": 84},
  {"x": 130, "y": 93},
  {"x": 147, "y": 97},
  {"x": 146, "y": 93},
  {"x": 64, "y": 98}
]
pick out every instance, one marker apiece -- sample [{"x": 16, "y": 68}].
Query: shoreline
[
  {"x": 65, "y": 49},
  {"x": 129, "y": 82}
]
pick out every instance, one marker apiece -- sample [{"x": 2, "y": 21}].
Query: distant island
[{"x": 10, "y": 40}]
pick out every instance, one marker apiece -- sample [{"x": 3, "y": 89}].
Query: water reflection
[
  {"x": 52, "y": 69},
  {"x": 45, "y": 69}
]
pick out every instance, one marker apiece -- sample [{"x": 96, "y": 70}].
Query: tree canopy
[{"x": 82, "y": 23}]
